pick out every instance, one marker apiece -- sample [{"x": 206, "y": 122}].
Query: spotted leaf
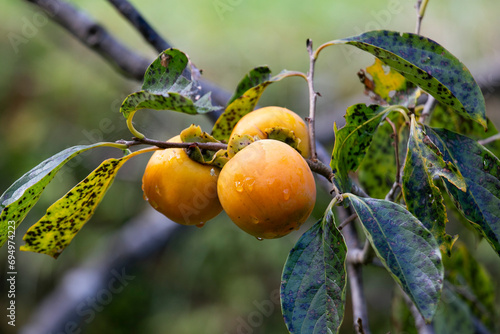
[
  {"x": 385, "y": 85},
  {"x": 21, "y": 196},
  {"x": 406, "y": 248},
  {"x": 377, "y": 172},
  {"x": 428, "y": 65},
  {"x": 443, "y": 117},
  {"x": 353, "y": 140},
  {"x": 423, "y": 198},
  {"x": 64, "y": 219},
  {"x": 480, "y": 203},
  {"x": 166, "y": 88},
  {"x": 254, "y": 78},
  {"x": 244, "y": 102},
  {"x": 313, "y": 281}
]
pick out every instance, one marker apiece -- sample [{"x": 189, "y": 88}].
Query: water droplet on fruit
[
  {"x": 239, "y": 186},
  {"x": 249, "y": 182},
  {"x": 259, "y": 238},
  {"x": 212, "y": 172},
  {"x": 255, "y": 220},
  {"x": 144, "y": 196},
  {"x": 286, "y": 194},
  {"x": 157, "y": 190},
  {"x": 153, "y": 204},
  {"x": 200, "y": 225}
]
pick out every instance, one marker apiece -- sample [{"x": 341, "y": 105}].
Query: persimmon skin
[
  {"x": 181, "y": 189},
  {"x": 257, "y": 121},
  {"x": 267, "y": 189}
]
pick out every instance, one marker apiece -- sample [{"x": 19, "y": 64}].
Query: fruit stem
[{"x": 312, "y": 102}]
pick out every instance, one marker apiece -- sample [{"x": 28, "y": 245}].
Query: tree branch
[
  {"x": 141, "y": 25},
  {"x": 140, "y": 238},
  {"x": 95, "y": 36}
]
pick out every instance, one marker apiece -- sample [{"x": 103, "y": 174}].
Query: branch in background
[
  {"x": 95, "y": 36},
  {"x": 428, "y": 108},
  {"x": 420, "y": 324},
  {"x": 140, "y": 24},
  {"x": 354, "y": 274},
  {"x": 139, "y": 239}
]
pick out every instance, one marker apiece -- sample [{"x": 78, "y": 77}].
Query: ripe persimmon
[
  {"x": 182, "y": 189},
  {"x": 267, "y": 189},
  {"x": 258, "y": 121}
]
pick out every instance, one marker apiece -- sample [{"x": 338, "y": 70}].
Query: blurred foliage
[{"x": 55, "y": 93}]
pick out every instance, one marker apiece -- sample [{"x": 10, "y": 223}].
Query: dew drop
[
  {"x": 255, "y": 220},
  {"x": 212, "y": 172},
  {"x": 259, "y": 238},
  {"x": 249, "y": 182},
  {"x": 157, "y": 190},
  {"x": 144, "y": 196},
  {"x": 286, "y": 194},
  {"x": 153, "y": 204},
  {"x": 200, "y": 225},
  {"x": 239, "y": 186}
]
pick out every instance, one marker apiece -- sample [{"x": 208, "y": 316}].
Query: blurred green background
[{"x": 56, "y": 93}]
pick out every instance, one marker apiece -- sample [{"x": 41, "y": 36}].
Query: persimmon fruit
[
  {"x": 258, "y": 121},
  {"x": 182, "y": 189},
  {"x": 267, "y": 189}
]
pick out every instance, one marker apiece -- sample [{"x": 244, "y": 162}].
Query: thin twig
[
  {"x": 428, "y": 108},
  {"x": 140, "y": 24},
  {"x": 313, "y": 95},
  {"x": 420, "y": 324},
  {"x": 489, "y": 139},
  {"x": 421, "y": 6},
  {"x": 212, "y": 146},
  {"x": 349, "y": 219},
  {"x": 354, "y": 274}
]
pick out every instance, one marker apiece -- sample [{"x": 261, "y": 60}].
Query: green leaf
[
  {"x": 423, "y": 198},
  {"x": 353, "y": 140},
  {"x": 428, "y": 65},
  {"x": 243, "y": 103},
  {"x": 64, "y": 219},
  {"x": 406, "y": 248},
  {"x": 377, "y": 172},
  {"x": 473, "y": 284},
  {"x": 23, "y": 194},
  {"x": 254, "y": 78},
  {"x": 388, "y": 86},
  {"x": 443, "y": 117},
  {"x": 165, "y": 88},
  {"x": 313, "y": 280},
  {"x": 453, "y": 315},
  {"x": 480, "y": 203}
]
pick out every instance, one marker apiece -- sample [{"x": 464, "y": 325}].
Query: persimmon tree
[{"x": 395, "y": 165}]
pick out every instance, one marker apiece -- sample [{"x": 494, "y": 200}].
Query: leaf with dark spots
[
  {"x": 314, "y": 280},
  {"x": 428, "y": 65},
  {"x": 377, "y": 172},
  {"x": 165, "y": 88},
  {"x": 353, "y": 140},
  {"x": 424, "y": 162},
  {"x": 480, "y": 203},
  {"x": 254, "y": 78},
  {"x": 64, "y": 219},
  {"x": 406, "y": 248},
  {"x": 244, "y": 102},
  {"x": 388, "y": 86},
  {"x": 443, "y": 117},
  {"x": 21, "y": 196}
]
